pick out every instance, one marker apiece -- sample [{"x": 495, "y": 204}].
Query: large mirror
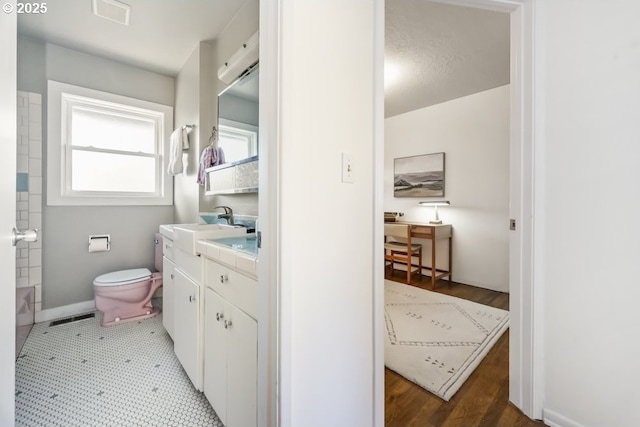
[{"x": 238, "y": 118}]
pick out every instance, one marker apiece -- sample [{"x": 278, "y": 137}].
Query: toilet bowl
[{"x": 125, "y": 295}]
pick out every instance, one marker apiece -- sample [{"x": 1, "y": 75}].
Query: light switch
[{"x": 347, "y": 168}]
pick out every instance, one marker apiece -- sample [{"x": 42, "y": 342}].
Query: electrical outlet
[{"x": 347, "y": 168}]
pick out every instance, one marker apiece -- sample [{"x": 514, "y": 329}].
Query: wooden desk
[{"x": 434, "y": 232}]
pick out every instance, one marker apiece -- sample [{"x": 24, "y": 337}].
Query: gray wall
[
  {"x": 187, "y": 111},
  {"x": 68, "y": 268},
  {"x": 32, "y": 57},
  {"x": 238, "y": 109}
]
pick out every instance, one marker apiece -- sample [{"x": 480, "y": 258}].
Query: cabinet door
[
  {"x": 242, "y": 366},
  {"x": 187, "y": 327},
  {"x": 215, "y": 354},
  {"x": 168, "y": 295}
]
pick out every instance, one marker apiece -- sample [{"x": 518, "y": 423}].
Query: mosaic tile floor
[{"x": 81, "y": 374}]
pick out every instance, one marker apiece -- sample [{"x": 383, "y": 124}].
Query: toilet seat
[{"x": 123, "y": 277}]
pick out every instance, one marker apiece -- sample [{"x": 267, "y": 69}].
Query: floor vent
[{"x": 72, "y": 319}]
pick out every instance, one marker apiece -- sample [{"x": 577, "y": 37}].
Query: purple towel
[{"x": 210, "y": 156}]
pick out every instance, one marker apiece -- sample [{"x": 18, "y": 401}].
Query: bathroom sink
[
  {"x": 185, "y": 236},
  {"x": 167, "y": 229}
]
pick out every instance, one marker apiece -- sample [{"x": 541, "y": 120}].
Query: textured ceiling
[
  {"x": 161, "y": 36},
  {"x": 436, "y": 52}
]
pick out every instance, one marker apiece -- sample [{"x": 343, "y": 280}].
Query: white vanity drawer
[{"x": 236, "y": 288}]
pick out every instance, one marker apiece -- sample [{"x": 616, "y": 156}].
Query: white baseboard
[
  {"x": 64, "y": 311},
  {"x": 553, "y": 419}
]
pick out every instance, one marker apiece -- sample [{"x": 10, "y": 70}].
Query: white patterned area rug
[{"x": 436, "y": 340}]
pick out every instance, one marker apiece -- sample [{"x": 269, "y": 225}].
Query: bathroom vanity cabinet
[
  {"x": 187, "y": 323},
  {"x": 231, "y": 334},
  {"x": 183, "y": 294}
]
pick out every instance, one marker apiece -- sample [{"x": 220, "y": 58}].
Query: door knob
[{"x": 30, "y": 235}]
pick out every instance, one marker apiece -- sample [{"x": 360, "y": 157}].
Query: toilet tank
[{"x": 158, "y": 259}]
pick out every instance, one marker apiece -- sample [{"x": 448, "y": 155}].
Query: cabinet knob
[
  {"x": 192, "y": 298},
  {"x": 224, "y": 278},
  {"x": 227, "y": 324},
  {"x": 172, "y": 276},
  {"x": 219, "y": 316}
]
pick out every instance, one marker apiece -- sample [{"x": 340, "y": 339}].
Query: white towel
[
  {"x": 185, "y": 138},
  {"x": 179, "y": 141}
]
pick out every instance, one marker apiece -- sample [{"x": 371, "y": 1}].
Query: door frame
[
  {"x": 526, "y": 336},
  {"x": 8, "y": 136}
]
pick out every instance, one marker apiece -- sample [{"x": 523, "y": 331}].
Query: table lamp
[{"x": 435, "y": 205}]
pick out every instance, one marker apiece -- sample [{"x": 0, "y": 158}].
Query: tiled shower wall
[{"x": 29, "y": 193}]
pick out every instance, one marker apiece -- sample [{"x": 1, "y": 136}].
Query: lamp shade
[{"x": 435, "y": 203}]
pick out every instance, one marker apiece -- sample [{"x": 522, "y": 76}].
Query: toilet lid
[{"x": 122, "y": 277}]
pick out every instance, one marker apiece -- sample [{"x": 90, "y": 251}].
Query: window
[
  {"x": 106, "y": 149},
  {"x": 237, "y": 140}
]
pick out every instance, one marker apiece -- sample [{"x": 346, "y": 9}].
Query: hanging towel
[
  {"x": 211, "y": 156},
  {"x": 179, "y": 141}
]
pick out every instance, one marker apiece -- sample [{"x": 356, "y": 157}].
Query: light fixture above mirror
[{"x": 243, "y": 59}]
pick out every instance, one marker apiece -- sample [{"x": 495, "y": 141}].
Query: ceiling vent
[{"x": 112, "y": 10}]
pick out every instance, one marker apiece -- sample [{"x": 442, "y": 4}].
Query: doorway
[
  {"x": 524, "y": 387},
  {"x": 8, "y": 85},
  {"x": 460, "y": 109},
  {"x": 521, "y": 384}
]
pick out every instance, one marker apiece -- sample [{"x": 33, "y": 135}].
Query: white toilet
[{"x": 125, "y": 295}]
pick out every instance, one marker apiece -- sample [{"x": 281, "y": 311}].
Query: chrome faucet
[{"x": 228, "y": 214}]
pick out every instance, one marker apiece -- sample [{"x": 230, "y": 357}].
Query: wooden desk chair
[{"x": 401, "y": 251}]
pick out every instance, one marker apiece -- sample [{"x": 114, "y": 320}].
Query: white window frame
[
  {"x": 242, "y": 130},
  {"x": 62, "y": 98}
]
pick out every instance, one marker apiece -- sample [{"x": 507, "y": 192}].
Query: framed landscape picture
[{"x": 419, "y": 176}]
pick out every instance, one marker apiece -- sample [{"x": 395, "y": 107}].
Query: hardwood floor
[{"x": 482, "y": 401}]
